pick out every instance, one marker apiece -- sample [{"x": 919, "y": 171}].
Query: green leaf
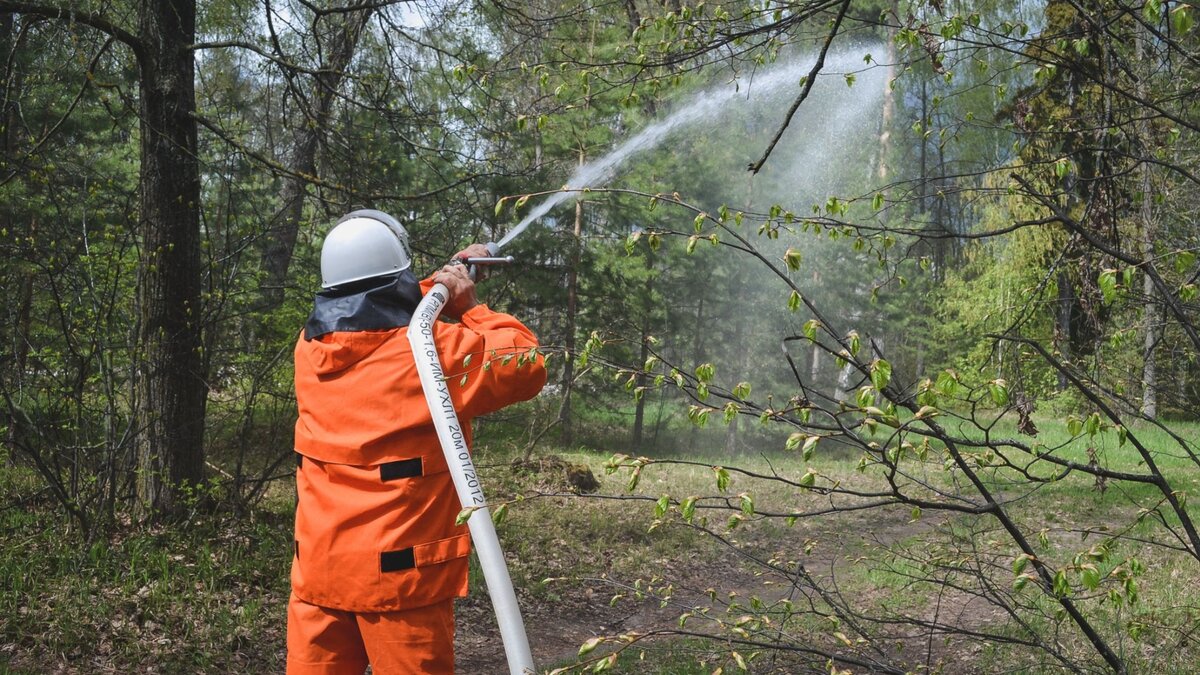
[
  {"x": 731, "y": 412},
  {"x": 865, "y": 397},
  {"x": 661, "y": 506},
  {"x": 877, "y": 201},
  {"x": 998, "y": 388},
  {"x": 1061, "y": 587},
  {"x": 500, "y": 206},
  {"x": 881, "y": 373},
  {"x": 465, "y": 515},
  {"x": 705, "y": 372},
  {"x": 747, "y": 503},
  {"x": 808, "y": 478},
  {"x": 810, "y": 446},
  {"x": 794, "y": 301},
  {"x": 631, "y": 242},
  {"x": 688, "y": 509},
  {"x": 1074, "y": 426},
  {"x": 1061, "y": 167},
  {"x": 590, "y": 646},
  {"x": 855, "y": 342},
  {"x": 722, "y": 478},
  {"x": 947, "y": 383},
  {"x": 742, "y": 391},
  {"x": 634, "y": 477},
  {"x": 1020, "y": 563},
  {"x": 1108, "y": 285},
  {"x": 500, "y": 514},
  {"x": 810, "y": 329},
  {"x": 1152, "y": 11},
  {"x": 792, "y": 258},
  {"x": 794, "y": 440},
  {"x": 1182, "y": 19}
]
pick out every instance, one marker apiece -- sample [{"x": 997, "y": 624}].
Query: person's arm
[
  {"x": 490, "y": 359},
  {"x": 457, "y": 282}
]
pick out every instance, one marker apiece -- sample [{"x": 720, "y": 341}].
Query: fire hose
[{"x": 462, "y": 470}]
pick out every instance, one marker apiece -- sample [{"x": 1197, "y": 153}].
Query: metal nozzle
[{"x": 491, "y": 260}]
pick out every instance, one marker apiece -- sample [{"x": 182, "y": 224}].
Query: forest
[{"x": 872, "y": 326}]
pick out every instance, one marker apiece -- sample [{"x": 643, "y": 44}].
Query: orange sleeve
[{"x": 490, "y": 360}]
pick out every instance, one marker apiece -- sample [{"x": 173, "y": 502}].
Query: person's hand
[
  {"x": 474, "y": 251},
  {"x": 459, "y": 285}
]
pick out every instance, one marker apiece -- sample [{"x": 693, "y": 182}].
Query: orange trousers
[{"x": 324, "y": 641}]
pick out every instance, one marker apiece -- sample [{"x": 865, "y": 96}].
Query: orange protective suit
[{"x": 376, "y": 542}]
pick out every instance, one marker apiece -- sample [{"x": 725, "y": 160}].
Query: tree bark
[
  {"x": 1062, "y": 322},
  {"x": 639, "y": 416},
  {"x": 172, "y": 390},
  {"x": 1151, "y": 311},
  {"x": 284, "y": 227},
  {"x": 568, "y": 375},
  {"x": 887, "y": 116}
]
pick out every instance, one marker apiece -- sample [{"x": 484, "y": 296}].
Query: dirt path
[{"x": 581, "y": 609}]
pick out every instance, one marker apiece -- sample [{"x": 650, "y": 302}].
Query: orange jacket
[{"x": 375, "y": 518}]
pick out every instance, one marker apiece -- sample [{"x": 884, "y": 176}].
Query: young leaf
[
  {"x": 500, "y": 514},
  {"x": 589, "y": 646},
  {"x": 810, "y": 329},
  {"x": 747, "y": 503},
  {"x": 998, "y": 388},
  {"x": 792, "y": 258},
  {"x": 661, "y": 506},
  {"x": 688, "y": 508},
  {"x": 722, "y": 478},
  {"x": 881, "y": 374},
  {"x": 810, "y": 446},
  {"x": 1108, "y": 285}
]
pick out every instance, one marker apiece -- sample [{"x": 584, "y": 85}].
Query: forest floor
[{"x": 681, "y": 571}]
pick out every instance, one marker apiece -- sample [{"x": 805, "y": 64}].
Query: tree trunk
[
  {"x": 285, "y": 224},
  {"x": 639, "y": 416},
  {"x": 1062, "y": 322},
  {"x": 172, "y": 389},
  {"x": 568, "y": 376},
  {"x": 697, "y": 356},
  {"x": 1151, "y": 311},
  {"x": 889, "y": 105}
]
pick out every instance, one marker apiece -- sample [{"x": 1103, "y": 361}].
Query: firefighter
[{"x": 378, "y": 557}]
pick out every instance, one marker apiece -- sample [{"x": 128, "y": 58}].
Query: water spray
[
  {"x": 466, "y": 481},
  {"x": 462, "y": 469},
  {"x": 702, "y": 106}
]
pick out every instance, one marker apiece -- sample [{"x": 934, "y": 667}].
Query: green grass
[
  {"x": 202, "y": 598},
  {"x": 210, "y": 596}
]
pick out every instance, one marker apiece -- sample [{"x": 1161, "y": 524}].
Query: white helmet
[{"x": 363, "y": 244}]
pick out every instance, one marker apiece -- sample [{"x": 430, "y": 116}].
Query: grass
[
  {"x": 210, "y": 596},
  {"x": 204, "y": 598}
]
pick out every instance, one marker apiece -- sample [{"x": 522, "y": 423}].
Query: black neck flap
[{"x": 378, "y": 303}]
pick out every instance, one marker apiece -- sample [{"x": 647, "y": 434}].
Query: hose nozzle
[{"x": 481, "y": 261}]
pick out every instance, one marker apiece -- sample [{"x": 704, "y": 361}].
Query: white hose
[{"x": 466, "y": 482}]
